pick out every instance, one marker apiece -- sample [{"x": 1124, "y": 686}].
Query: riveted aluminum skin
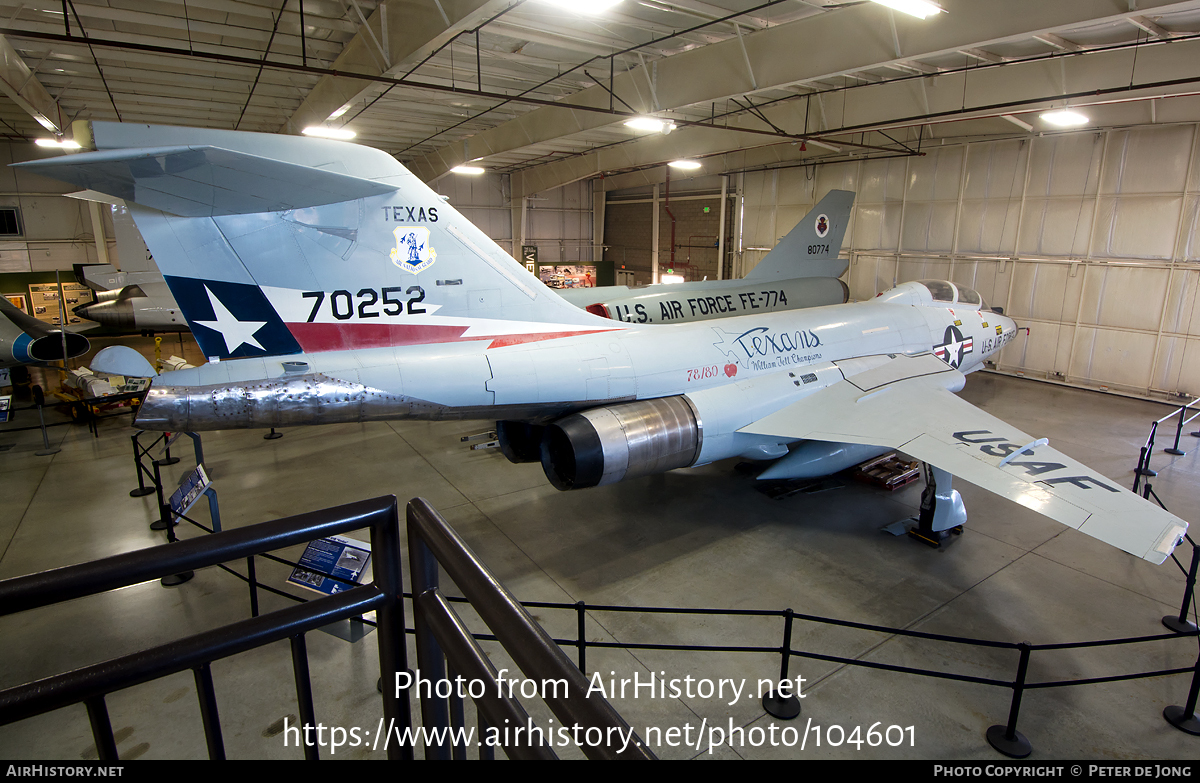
[
  {"x": 312, "y": 398},
  {"x": 610, "y": 444}
]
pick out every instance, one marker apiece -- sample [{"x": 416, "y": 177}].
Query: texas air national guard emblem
[{"x": 412, "y": 252}]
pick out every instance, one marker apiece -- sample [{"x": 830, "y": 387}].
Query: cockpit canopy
[{"x": 934, "y": 292}]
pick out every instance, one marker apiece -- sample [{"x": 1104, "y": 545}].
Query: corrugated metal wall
[
  {"x": 558, "y": 222},
  {"x": 1091, "y": 239}
]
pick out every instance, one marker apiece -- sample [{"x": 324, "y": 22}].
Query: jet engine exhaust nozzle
[{"x": 618, "y": 442}]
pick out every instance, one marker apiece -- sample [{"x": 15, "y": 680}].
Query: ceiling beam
[
  {"x": 1019, "y": 88},
  {"x": 414, "y": 29},
  {"x": 807, "y": 49},
  {"x": 19, "y": 83}
]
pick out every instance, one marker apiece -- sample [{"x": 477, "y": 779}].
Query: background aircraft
[
  {"x": 801, "y": 271},
  {"x": 26, "y": 340},
  {"x": 327, "y": 284},
  {"x": 134, "y": 298}
]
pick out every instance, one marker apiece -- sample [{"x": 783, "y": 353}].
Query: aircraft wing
[
  {"x": 907, "y": 404},
  {"x": 203, "y": 181}
]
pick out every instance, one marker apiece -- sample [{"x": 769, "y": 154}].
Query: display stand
[
  {"x": 39, "y": 400},
  {"x": 332, "y": 565}
]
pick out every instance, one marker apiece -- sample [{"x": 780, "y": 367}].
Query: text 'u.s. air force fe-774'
[
  {"x": 801, "y": 271},
  {"x": 327, "y": 284}
]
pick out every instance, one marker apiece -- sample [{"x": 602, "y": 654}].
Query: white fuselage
[{"x": 469, "y": 379}]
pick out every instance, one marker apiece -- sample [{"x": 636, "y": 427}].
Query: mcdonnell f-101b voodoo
[
  {"x": 801, "y": 271},
  {"x": 326, "y": 283}
]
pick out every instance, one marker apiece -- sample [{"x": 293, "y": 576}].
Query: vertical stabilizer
[
  {"x": 811, "y": 248},
  {"x": 276, "y": 245}
]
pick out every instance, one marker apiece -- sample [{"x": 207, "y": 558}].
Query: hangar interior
[{"x": 1089, "y": 236}]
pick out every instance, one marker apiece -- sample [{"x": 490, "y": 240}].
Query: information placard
[
  {"x": 189, "y": 491},
  {"x": 336, "y": 556}
]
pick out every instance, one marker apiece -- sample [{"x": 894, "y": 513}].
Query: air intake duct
[{"x": 611, "y": 444}]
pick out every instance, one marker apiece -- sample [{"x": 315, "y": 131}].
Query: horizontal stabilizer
[
  {"x": 907, "y": 404},
  {"x": 204, "y": 181}
]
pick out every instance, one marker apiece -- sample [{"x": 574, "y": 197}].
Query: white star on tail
[{"x": 235, "y": 333}]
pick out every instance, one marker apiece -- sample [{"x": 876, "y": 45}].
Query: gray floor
[{"x": 694, "y": 538}]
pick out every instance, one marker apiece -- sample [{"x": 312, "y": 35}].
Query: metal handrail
[
  {"x": 431, "y": 541},
  {"x": 92, "y": 683}
]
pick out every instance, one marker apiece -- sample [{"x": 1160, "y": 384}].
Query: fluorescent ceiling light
[
  {"x": 917, "y": 8},
  {"x": 1064, "y": 118},
  {"x": 671, "y": 279},
  {"x": 329, "y": 133},
  {"x": 652, "y": 124},
  {"x": 684, "y": 164},
  {"x": 584, "y": 6},
  {"x": 65, "y": 144},
  {"x": 468, "y": 169},
  {"x": 339, "y": 112}
]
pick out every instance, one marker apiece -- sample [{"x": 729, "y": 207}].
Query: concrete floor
[{"x": 703, "y": 537}]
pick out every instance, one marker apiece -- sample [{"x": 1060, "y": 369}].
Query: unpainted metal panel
[
  {"x": 840, "y": 176},
  {"x": 996, "y": 170},
  {"x": 1056, "y": 227},
  {"x": 870, "y": 275},
  {"x": 988, "y": 226},
  {"x": 1112, "y": 357},
  {"x": 1136, "y": 226},
  {"x": 1179, "y": 365},
  {"x": 796, "y": 187},
  {"x": 929, "y": 225},
  {"x": 1147, "y": 160},
  {"x": 922, "y": 269},
  {"x": 1183, "y": 313},
  {"x": 1065, "y": 165},
  {"x": 935, "y": 176},
  {"x": 1189, "y": 236},
  {"x": 984, "y": 277},
  {"x": 1045, "y": 291},
  {"x": 882, "y": 180},
  {"x": 1044, "y": 350},
  {"x": 1123, "y": 297},
  {"x": 876, "y": 226}
]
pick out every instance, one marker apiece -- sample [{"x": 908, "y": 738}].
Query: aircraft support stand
[{"x": 942, "y": 512}]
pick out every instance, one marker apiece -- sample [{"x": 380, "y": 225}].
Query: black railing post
[
  {"x": 779, "y": 701},
  {"x": 1181, "y": 624},
  {"x": 579, "y": 615},
  {"x": 304, "y": 699},
  {"x": 423, "y": 572},
  {"x": 386, "y": 565},
  {"x": 208, "y": 712},
  {"x": 1184, "y": 718},
  {"x": 1178, "y": 431},
  {"x": 1007, "y": 739},
  {"x": 252, "y": 580},
  {"x": 102, "y": 733}
]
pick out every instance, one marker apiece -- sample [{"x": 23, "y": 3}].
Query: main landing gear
[{"x": 942, "y": 512}]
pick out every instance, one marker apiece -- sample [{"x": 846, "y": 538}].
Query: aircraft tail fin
[
  {"x": 276, "y": 245},
  {"x": 811, "y": 248}
]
